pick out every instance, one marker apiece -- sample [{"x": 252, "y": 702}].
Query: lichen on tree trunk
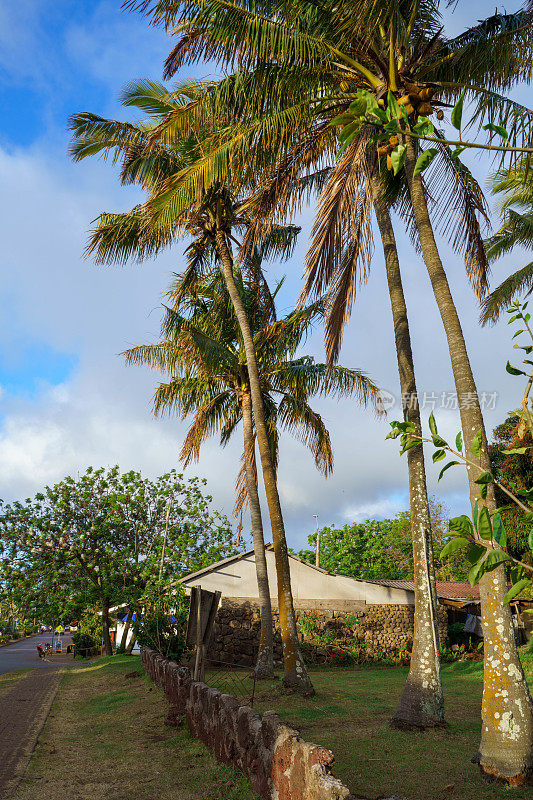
[
  {"x": 506, "y": 748},
  {"x": 421, "y": 704}
]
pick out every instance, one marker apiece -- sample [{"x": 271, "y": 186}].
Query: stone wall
[
  {"x": 278, "y": 763},
  {"x": 325, "y": 635}
]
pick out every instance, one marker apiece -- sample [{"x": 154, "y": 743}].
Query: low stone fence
[
  {"x": 324, "y": 634},
  {"x": 278, "y": 763}
]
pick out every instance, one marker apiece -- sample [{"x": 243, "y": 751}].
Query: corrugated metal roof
[{"x": 453, "y": 590}]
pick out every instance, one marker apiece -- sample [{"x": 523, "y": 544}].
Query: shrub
[
  {"x": 161, "y": 630},
  {"x": 91, "y": 624},
  {"x": 84, "y": 643}
]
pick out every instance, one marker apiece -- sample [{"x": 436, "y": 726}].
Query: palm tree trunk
[
  {"x": 506, "y": 749},
  {"x": 264, "y": 667},
  {"x": 422, "y": 703},
  {"x": 296, "y": 675}
]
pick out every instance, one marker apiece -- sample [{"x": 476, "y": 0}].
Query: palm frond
[
  {"x": 520, "y": 282},
  {"x": 94, "y": 135},
  {"x": 341, "y": 246},
  {"x": 117, "y": 238},
  {"x": 307, "y": 426}
]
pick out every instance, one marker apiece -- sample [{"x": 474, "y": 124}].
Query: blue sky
[{"x": 66, "y": 398}]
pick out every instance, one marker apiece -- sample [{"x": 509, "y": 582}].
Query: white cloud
[{"x": 100, "y": 414}]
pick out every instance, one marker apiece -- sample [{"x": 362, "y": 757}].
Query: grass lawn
[
  {"x": 105, "y": 739},
  {"x": 350, "y": 715}
]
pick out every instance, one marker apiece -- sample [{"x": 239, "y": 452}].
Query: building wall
[
  {"x": 237, "y": 580},
  {"x": 373, "y": 629}
]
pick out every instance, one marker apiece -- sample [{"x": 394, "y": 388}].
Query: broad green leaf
[
  {"x": 432, "y": 424},
  {"x": 486, "y": 477},
  {"x": 475, "y": 573},
  {"x": 483, "y": 491},
  {"x": 513, "y": 370},
  {"x": 346, "y": 143},
  {"x": 393, "y": 109},
  {"x": 424, "y": 160},
  {"x": 461, "y": 524},
  {"x": 357, "y": 107},
  {"x": 457, "y": 112},
  {"x": 349, "y": 129},
  {"x": 494, "y": 559},
  {"x": 477, "y": 441},
  {"x": 515, "y": 590},
  {"x": 438, "y": 441},
  {"x": 459, "y": 442},
  {"x": 409, "y": 446},
  {"x": 476, "y": 514},
  {"x": 448, "y": 465},
  {"x": 516, "y": 573},
  {"x": 392, "y": 127},
  {"x": 530, "y": 540},
  {"x": 438, "y": 455},
  {"x": 342, "y": 119},
  {"x": 398, "y": 157},
  {"x": 457, "y": 152},
  {"x": 484, "y": 525},
  {"x": 498, "y": 529},
  {"x": 393, "y": 434},
  {"x": 517, "y": 334},
  {"x": 453, "y": 545},
  {"x": 424, "y": 127},
  {"x": 515, "y": 451},
  {"x": 476, "y": 552},
  {"x": 490, "y": 126}
]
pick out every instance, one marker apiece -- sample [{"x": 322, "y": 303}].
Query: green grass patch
[
  {"x": 105, "y": 739},
  {"x": 350, "y": 715}
]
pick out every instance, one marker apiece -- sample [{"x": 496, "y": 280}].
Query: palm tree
[
  {"x": 203, "y": 354},
  {"x": 516, "y": 187},
  {"x": 212, "y": 215},
  {"x": 299, "y": 65}
]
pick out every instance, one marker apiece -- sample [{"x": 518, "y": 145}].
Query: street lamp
[{"x": 317, "y": 559}]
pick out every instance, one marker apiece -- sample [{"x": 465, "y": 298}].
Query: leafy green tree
[
  {"x": 515, "y": 471},
  {"x": 112, "y": 533},
  {"x": 382, "y": 549},
  {"x": 370, "y": 550}
]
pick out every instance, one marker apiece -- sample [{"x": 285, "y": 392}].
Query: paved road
[{"x": 23, "y": 654}]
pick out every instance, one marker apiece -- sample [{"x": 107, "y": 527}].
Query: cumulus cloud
[{"x": 100, "y": 412}]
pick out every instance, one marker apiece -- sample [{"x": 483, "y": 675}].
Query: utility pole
[{"x": 317, "y": 560}]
